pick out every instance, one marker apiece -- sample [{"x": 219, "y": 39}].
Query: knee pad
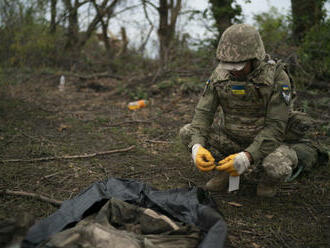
[{"x": 279, "y": 164}]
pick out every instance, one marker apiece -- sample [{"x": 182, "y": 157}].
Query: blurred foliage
[
  {"x": 275, "y": 30},
  {"x": 26, "y": 42},
  {"x": 315, "y": 51},
  {"x": 310, "y": 61},
  {"x": 21, "y": 32},
  {"x": 225, "y": 13},
  {"x": 24, "y": 36},
  {"x": 306, "y": 15},
  {"x": 32, "y": 45}
]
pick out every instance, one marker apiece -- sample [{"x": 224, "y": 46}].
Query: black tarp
[{"x": 188, "y": 205}]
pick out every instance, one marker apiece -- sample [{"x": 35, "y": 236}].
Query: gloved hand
[
  {"x": 234, "y": 164},
  {"x": 203, "y": 159}
]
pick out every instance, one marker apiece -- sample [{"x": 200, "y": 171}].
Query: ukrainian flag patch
[
  {"x": 238, "y": 89},
  {"x": 286, "y": 93}
]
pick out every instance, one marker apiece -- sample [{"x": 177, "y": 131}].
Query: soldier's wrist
[{"x": 249, "y": 156}]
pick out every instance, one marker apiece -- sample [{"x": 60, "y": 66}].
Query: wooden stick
[
  {"x": 94, "y": 76},
  {"x": 33, "y": 195},
  {"x": 51, "y": 175},
  {"x": 128, "y": 122},
  {"x": 69, "y": 156},
  {"x": 160, "y": 141}
]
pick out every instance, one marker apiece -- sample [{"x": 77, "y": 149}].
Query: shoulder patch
[{"x": 286, "y": 93}]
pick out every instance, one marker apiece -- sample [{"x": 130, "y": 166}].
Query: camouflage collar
[{"x": 257, "y": 69}]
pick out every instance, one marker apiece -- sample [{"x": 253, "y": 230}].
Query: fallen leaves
[
  {"x": 255, "y": 245},
  {"x": 269, "y": 216},
  {"x": 63, "y": 127}
]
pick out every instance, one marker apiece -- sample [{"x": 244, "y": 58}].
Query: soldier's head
[{"x": 238, "y": 46}]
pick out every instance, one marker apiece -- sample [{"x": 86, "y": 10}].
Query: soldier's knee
[{"x": 279, "y": 164}]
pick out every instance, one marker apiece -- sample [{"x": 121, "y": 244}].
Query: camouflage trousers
[{"x": 277, "y": 167}]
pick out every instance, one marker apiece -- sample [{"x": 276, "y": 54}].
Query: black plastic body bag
[{"x": 188, "y": 205}]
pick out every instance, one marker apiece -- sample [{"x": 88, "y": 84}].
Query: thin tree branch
[
  {"x": 69, "y": 156},
  {"x": 151, "y": 4},
  {"x": 175, "y": 12},
  {"x": 160, "y": 141},
  {"x": 33, "y": 195},
  {"x": 127, "y": 122},
  {"x": 93, "y": 76},
  {"x": 125, "y": 9},
  {"x": 144, "y": 43},
  {"x": 146, "y": 13},
  {"x": 78, "y": 5}
]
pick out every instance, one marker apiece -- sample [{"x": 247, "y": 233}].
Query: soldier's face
[{"x": 244, "y": 72}]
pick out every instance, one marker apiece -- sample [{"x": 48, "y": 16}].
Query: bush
[
  {"x": 274, "y": 29},
  {"x": 32, "y": 46},
  {"x": 315, "y": 51},
  {"x": 24, "y": 36}
]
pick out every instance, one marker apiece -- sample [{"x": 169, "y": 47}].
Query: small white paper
[{"x": 233, "y": 183}]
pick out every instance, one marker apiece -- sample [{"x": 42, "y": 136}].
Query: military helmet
[{"x": 240, "y": 42}]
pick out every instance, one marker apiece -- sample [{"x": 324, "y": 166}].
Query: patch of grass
[
  {"x": 166, "y": 84},
  {"x": 102, "y": 120}
]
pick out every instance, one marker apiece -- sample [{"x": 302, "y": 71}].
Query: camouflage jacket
[{"x": 255, "y": 111}]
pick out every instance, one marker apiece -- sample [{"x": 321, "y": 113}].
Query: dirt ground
[{"x": 91, "y": 116}]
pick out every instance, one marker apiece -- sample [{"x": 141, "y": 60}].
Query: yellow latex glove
[
  {"x": 227, "y": 165},
  {"x": 203, "y": 159},
  {"x": 234, "y": 164}
]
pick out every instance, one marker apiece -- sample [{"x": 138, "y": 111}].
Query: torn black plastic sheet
[{"x": 188, "y": 205}]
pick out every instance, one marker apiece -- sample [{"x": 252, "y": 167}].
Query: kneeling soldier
[{"x": 258, "y": 127}]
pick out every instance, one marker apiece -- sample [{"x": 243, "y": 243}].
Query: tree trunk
[
  {"x": 73, "y": 27},
  {"x": 162, "y": 30},
  {"x": 105, "y": 11},
  {"x": 166, "y": 29},
  {"x": 124, "y": 42},
  {"x": 76, "y": 40},
  {"x": 306, "y": 14},
  {"x": 224, "y": 13},
  {"x": 52, "y": 28}
]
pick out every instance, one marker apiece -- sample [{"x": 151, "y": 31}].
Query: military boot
[
  {"x": 266, "y": 189},
  {"x": 218, "y": 183}
]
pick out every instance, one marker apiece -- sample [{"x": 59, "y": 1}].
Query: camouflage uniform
[{"x": 256, "y": 114}]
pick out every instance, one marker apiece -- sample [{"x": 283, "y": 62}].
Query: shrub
[
  {"x": 315, "y": 51},
  {"x": 274, "y": 29},
  {"x": 32, "y": 46}
]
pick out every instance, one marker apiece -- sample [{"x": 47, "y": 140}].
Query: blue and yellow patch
[
  {"x": 238, "y": 89},
  {"x": 286, "y": 93}
]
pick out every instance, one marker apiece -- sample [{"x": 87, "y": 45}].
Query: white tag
[{"x": 233, "y": 183}]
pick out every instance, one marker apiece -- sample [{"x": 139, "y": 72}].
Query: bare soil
[{"x": 37, "y": 120}]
